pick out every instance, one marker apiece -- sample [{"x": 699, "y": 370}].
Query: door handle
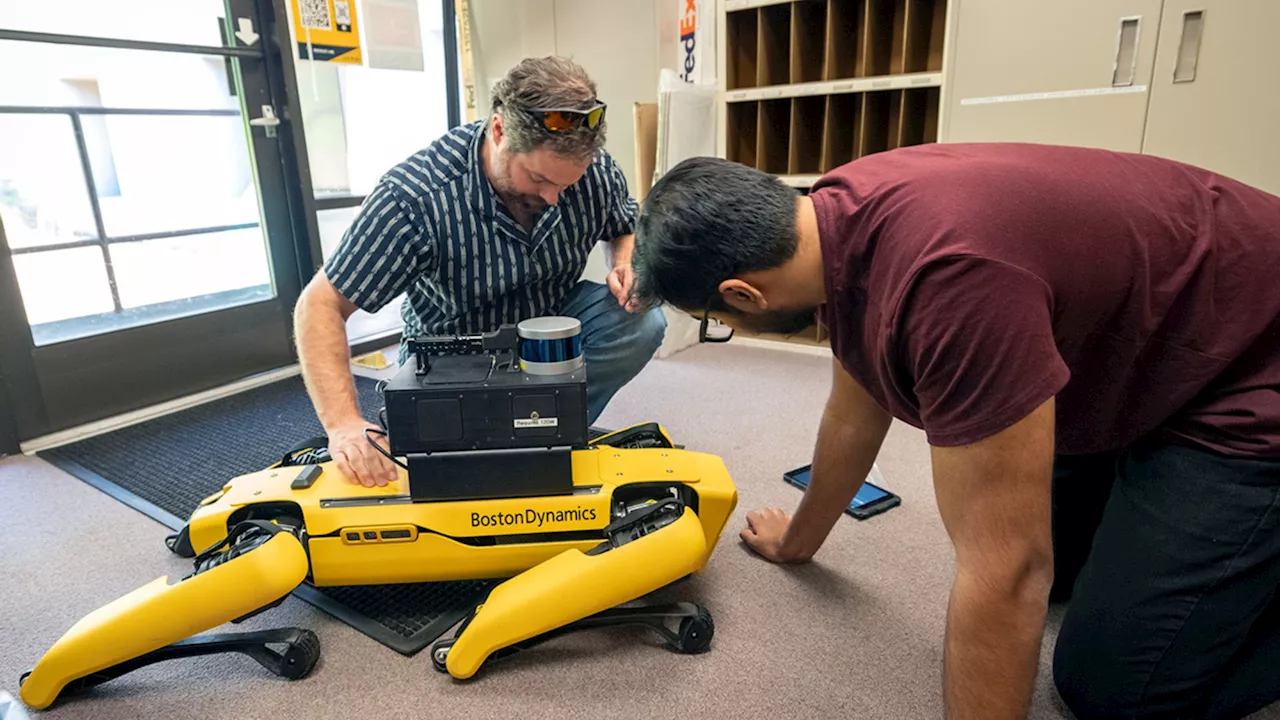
[
  {"x": 1126, "y": 65},
  {"x": 268, "y": 120},
  {"x": 1184, "y": 69}
]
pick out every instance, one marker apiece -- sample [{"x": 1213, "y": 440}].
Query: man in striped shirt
[{"x": 490, "y": 224}]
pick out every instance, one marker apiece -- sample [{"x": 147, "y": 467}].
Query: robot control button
[{"x": 364, "y": 535}]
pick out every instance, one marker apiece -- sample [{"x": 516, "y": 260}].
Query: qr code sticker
[
  {"x": 315, "y": 14},
  {"x": 342, "y": 14}
]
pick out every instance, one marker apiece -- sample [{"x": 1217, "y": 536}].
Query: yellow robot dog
[{"x": 502, "y": 482}]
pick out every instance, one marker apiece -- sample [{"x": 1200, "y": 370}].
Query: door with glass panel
[{"x": 147, "y": 197}]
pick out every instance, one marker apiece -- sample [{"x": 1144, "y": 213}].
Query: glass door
[{"x": 148, "y": 196}]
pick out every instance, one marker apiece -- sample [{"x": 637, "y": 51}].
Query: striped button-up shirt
[{"x": 434, "y": 229}]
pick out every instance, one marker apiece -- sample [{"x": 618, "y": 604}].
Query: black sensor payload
[{"x": 491, "y": 415}]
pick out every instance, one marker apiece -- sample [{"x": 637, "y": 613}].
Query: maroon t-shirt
[{"x": 967, "y": 284}]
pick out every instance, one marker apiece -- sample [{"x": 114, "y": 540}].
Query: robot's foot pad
[
  {"x": 692, "y": 633},
  {"x": 298, "y": 652}
]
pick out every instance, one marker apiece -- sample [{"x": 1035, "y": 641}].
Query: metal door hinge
[{"x": 268, "y": 120}]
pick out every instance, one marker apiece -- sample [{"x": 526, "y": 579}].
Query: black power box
[
  {"x": 470, "y": 398},
  {"x": 473, "y": 403}
]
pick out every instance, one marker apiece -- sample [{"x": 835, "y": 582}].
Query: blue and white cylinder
[{"x": 550, "y": 345}]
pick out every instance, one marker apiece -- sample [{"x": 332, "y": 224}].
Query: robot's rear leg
[
  {"x": 684, "y": 627},
  {"x": 254, "y": 568},
  {"x": 647, "y": 549}
]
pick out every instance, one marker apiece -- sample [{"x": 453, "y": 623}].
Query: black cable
[{"x": 378, "y": 447}]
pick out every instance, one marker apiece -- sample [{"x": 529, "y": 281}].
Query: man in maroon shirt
[{"x": 1090, "y": 341}]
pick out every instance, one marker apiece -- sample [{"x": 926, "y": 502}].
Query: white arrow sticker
[{"x": 246, "y": 33}]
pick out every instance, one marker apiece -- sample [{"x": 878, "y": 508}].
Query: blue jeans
[{"x": 616, "y": 344}]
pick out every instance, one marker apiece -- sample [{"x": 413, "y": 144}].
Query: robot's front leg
[
  {"x": 257, "y": 565},
  {"x": 647, "y": 549}
]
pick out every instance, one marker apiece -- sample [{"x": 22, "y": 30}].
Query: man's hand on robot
[{"x": 357, "y": 458}]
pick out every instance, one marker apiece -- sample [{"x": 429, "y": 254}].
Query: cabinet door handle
[
  {"x": 1184, "y": 70},
  {"x": 1126, "y": 53}
]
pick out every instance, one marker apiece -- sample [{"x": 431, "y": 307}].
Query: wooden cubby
[
  {"x": 926, "y": 30},
  {"x": 773, "y": 147},
  {"x": 814, "y": 84},
  {"x": 743, "y": 45},
  {"x": 839, "y": 130},
  {"x": 875, "y": 56},
  {"x": 807, "y": 127},
  {"x": 742, "y": 129},
  {"x": 775, "y": 45},
  {"x": 874, "y": 122},
  {"x": 808, "y": 24},
  {"x": 914, "y": 117},
  {"x": 843, "y": 41}
]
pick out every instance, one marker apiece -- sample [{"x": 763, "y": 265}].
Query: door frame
[
  {"x": 185, "y": 351},
  {"x": 67, "y": 383}
]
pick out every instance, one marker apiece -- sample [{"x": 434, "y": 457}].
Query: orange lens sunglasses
[{"x": 568, "y": 119}]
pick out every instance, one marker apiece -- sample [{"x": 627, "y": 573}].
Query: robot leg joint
[{"x": 639, "y": 522}]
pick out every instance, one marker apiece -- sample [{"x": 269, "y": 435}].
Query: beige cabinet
[
  {"x": 1072, "y": 73},
  {"x": 1215, "y": 93},
  {"x": 1193, "y": 80}
]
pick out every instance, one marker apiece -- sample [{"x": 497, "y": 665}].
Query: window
[
  {"x": 124, "y": 168},
  {"x": 359, "y": 123}
]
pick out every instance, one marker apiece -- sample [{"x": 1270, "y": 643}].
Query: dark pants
[{"x": 1170, "y": 560}]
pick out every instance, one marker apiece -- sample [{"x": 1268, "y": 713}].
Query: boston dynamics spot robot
[{"x": 503, "y": 482}]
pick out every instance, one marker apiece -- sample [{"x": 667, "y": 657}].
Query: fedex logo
[{"x": 688, "y": 37}]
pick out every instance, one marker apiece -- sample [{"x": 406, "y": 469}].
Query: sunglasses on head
[{"x": 559, "y": 120}]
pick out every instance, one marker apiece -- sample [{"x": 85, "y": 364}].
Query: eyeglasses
[
  {"x": 713, "y": 330},
  {"x": 558, "y": 120}
]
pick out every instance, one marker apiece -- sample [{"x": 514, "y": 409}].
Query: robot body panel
[
  {"x": 460, "y": 540},
  {"x": 429, "y": 558}
]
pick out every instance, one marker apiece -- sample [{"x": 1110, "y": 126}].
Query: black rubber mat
[{"x": 165, "y": 466}]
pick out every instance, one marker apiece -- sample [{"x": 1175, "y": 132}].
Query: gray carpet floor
[{"x": 856, "y": 633}]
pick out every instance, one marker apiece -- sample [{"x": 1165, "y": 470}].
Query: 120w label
[{"x": 537, "y": 422}]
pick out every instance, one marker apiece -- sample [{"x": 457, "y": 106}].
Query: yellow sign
[{"x": 327, "y": 31}]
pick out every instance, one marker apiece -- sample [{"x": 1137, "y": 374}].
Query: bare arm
[
  {"x": 852, "y": 430},
  {"x": 321, "y": 334},
  {"x": 320, "y": 330},
  {"x": 994, "y": 498}
]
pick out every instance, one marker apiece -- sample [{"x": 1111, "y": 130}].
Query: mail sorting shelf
[
  {"x": 772, "y": 43},
  {"x": 816, "y": 133}
]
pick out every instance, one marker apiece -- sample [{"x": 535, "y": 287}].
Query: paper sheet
[{"x": 393, "y": 34}]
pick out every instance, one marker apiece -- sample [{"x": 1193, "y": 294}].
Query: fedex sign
[{"x": 694, "y": 38}]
